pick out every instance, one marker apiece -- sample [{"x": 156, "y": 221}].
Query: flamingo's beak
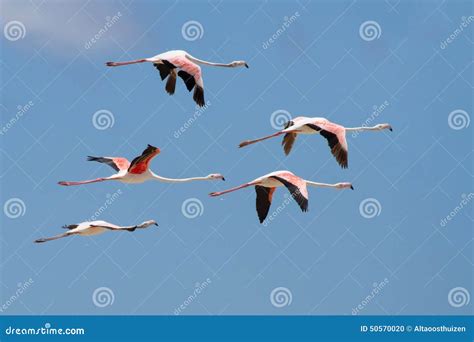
[
  {"x": 390, "y": 128},
  {"x": 246, "y": 65},
  {"x": 352, "y": 188},
  {"x": 223, "y": 179},
  {"x": 156, "y": 224}
]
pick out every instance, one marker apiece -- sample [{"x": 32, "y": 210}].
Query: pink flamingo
[
  {"x": 189, "y": 70},
  {"x": 335, "y": 135},
  {"x": 95, "y": 228},
  {"x": 265, "y": 187},
  {"x": 137, "y": 171}
]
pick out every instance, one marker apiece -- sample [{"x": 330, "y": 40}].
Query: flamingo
[
  {"x": 335, "y": 135},
  {"x": 265, "y": 187},
  {"x": 137, "y": 171},
  {"x": 189, "y": 70},
  {"x": 95, "y": 228}
]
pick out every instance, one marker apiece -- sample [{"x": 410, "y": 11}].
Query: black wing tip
[
  {"x": 92, "y": 158},
  {"x": 303, "y": 202},
  {"x": 187, "y": 79},
  {"x": 199, "y": 96}
]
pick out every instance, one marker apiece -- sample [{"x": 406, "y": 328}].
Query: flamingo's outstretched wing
[
  {"x": 111, "y": 226},
  {"x": 191, "y": 74},
  {"x": 288, "y": 141},
  {"x": 297, "y": 188},
  {"x": 70, "y": 226},
  {"x": 187, "y": 79},
  {"x": 116, "y": 163},
  {"x": 166, "y": 68},
  {"x": 140, "y": 163},
  {"x": 336, "y": 137},
  {"x": 264, "y": 200}
]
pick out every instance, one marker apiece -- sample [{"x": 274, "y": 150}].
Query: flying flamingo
[
  {"x": 335, "y": 135},
  {"x": 137, "y": 171},
  {"x": 266, "y": 185},
  {"x": 189, "y": 70},
  {"x": 95, "y": 228}
]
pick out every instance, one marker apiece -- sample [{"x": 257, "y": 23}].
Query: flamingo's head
[
  {"x": 216, "y": 176},
  {"x": 236, "y": 64},
  {"x": 344, "y": 185},
  {"x": 384, "y": 126},
  {"x": 148, "y": 223}
]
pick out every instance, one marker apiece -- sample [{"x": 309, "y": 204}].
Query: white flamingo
[{"x": 95, "y": 228}]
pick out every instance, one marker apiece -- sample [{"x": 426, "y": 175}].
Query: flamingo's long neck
[
  {"x": 200, "y": 61},
  {"x": 358, "y": 129},
  {"x": 176, "y": 180},
  {"x": 320, "y": 185}
]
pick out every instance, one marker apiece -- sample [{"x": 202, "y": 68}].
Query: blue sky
[{"x": 328, "y": 259}]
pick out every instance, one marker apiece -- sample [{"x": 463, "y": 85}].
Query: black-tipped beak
[
  {"x": 156, "y": 224},
  {"x": 223, "y": 179},
  {"x": 352, "y": 188},
  {"x": 246, "y": 65},
  {"x": 390, "y": 128}
]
